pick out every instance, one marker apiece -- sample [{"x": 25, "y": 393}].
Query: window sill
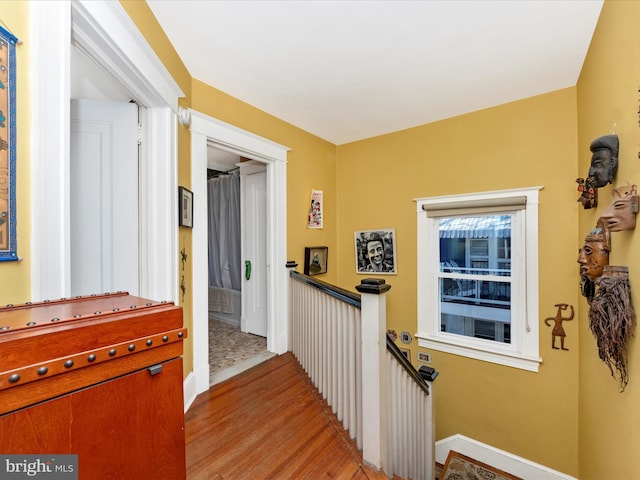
[{"x": 509, "y": 359}]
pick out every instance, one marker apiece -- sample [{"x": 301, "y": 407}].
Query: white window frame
[{"x": 523, "y": 351}]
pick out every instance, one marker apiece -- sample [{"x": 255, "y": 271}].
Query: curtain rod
[{"x": 211, "y": 172}]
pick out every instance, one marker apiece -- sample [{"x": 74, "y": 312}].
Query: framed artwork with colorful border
[{"x": 8, "y": 242}]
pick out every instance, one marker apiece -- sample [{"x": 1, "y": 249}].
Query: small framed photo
[
  {"x": 315, "y": 260},
  {"x": 185, "y": 207},
  {"x": 376, "y": 252}
]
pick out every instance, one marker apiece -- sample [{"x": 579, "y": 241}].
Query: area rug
[{"x": 461, "y": 467}]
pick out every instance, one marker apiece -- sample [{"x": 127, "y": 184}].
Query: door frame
[
  {"x": 206, "y": 130},
  {"x": 106, "y": 33}
]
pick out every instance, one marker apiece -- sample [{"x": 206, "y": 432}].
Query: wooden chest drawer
[{"x": 98, "y": 376}]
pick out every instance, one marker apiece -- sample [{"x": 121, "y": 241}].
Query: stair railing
[
  {"x": 340, "y": 339},
  {"x": 411, "y": 435}
]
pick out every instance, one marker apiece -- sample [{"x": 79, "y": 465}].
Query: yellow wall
[
  {"x": 526, "y": 143},
  {"x": 146, "y": 22},
  {"x": 15, "y": 277},
  {"x": 572, "y": 402},
  {"x": 311, "y": 165},
  {"x": 608, "y": 94}
]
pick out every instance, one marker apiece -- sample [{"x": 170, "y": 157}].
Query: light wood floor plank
[{"x": 269, "y": 423}]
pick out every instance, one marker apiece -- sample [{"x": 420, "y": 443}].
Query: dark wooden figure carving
[
  {"x": 558, "y": 330},
  {"x": 603, "y": 168},
  {"x": 588, "y": 193},
  {"x": 587, "y": 288},
  {"x": 604, "y": 159}
]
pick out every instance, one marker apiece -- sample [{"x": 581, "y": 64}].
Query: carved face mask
[
  {"x": 592, "y": 259},
  {"x": 604, "y": 159},
  {"x": 601, "y": 167},
  {"x": 621, "y": 214},
  {"x": 594, "y": 254}
]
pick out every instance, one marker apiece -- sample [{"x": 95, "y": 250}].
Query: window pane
[
  {"x": 479, "y": 245},
  {"x": 471, "y": 248}
]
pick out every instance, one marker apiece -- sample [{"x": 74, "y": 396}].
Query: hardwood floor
[{"x": 269, "y": 423}]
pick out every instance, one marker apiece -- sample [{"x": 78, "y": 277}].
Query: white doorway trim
[
  {"x": 105, "y": 32},
  {"x": 208, "y": 130}
]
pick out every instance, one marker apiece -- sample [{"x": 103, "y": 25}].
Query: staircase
[
  {"x": 340, "y": 340},
  {"x": 269, "y": 422},
  {"x": 345, "y": 403}
]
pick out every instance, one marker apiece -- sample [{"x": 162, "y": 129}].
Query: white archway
[{"x": 208, "y": 130}]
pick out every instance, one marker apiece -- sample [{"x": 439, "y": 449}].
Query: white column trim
[
  {"x": 50, "y": 177},
  {"x": 200, "y": 264},
  {"x": 159, "y": 211}
]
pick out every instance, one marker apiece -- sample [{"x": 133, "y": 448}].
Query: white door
[
  {"x": 254, "y": 221},
  {"x": 104, "y": 197}
]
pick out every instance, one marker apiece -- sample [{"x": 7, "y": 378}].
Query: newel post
[{"x": 374, "y": 373}]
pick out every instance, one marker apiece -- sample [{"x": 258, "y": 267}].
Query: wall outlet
[{"x": 424, "y": 357}]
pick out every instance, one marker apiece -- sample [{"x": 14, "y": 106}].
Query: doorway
[
  {"x": 105, "y": 33},
  {"x": 104, "y": 196},
  {"x": 236, "y": 240},
  {"x": 207, "y": 131}
]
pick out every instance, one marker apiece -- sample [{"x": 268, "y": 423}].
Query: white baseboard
[
  {"x": 189, "y": 389},
  {"x": 518, "y": 466}
]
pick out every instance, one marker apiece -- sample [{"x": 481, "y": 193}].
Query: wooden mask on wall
[
  {"x": 594, "y": 254},
  {"x": 621, "y": 214}
]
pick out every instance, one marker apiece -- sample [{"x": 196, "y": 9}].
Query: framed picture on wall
[
  {"x": 314, "y": 219},
  {"x": 315, "y": 260},
  {"x": 376, "y": 252},
  {"x": 8, "y": 215},
  {"x": 185, "y": 207}
]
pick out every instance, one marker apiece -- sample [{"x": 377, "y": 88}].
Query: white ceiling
[{"x": 353, "y": 69}]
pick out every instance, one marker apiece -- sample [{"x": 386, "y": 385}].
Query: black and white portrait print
[{"x": 375, "y": 252}]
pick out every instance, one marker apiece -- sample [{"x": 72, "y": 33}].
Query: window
[{"x": 478, "y": 276}]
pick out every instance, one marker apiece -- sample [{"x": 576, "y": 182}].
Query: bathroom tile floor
[{"x": 232, "y": 351}]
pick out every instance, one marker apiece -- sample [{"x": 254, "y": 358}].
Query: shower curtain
[{"x": 223, "y": 199}]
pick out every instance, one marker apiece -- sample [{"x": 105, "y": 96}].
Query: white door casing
[
  {"x": 254, "y": 249},
  {"x": 208, "y": 130},
  {"x": 105, "y": 33},
  {"x": 104, "y": 197}
]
